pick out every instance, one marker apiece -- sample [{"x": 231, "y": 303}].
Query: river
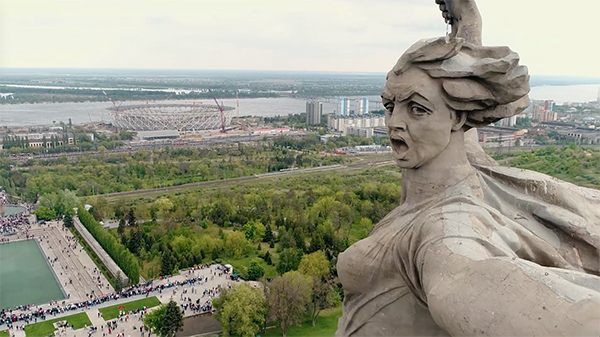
[{"x": 51, "y": 113}]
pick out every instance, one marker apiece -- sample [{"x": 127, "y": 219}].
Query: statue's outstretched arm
[
  {"x": 469, "y": 292},
  {"x": 464, "y": 17}
]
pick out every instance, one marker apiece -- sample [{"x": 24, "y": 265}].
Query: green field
[
  {"x": 46, "y": 328},
  {"x": 26, "y": 279},
  {"x": 326, "y": 326},
  {"x": 4, "y": 333},
  {"x": 109, "y": 313},
  {"x": 241, "y": 265}
]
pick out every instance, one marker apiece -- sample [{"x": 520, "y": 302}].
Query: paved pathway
[{"x": 73, "y": 267}]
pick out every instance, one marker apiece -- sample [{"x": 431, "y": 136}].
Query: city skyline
[{"x": 335, "y": 35}]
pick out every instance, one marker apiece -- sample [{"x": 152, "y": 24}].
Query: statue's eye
[
  {"x": 389, "y": 107},
  {"x": 418, "y": 110}
]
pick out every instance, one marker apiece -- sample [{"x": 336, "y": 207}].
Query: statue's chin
[{"x": 405, "y": 164}]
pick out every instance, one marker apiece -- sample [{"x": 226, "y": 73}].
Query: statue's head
[{"x": 439, "y": 87}]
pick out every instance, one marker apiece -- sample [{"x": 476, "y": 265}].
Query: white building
[
  {"x": 339, "y": 123},
  {"x": 343, "y": 108},
  {"x": 363, "y": 106},
  {"x": 510, "y": 121}
]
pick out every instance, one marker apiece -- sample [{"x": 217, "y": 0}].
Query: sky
[{"x": 553, "y": 37}]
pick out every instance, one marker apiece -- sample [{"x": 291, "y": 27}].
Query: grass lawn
[
  {"x": 109, "y": 313},
  {"x": 4, "y": 333},
  {"x": 326, "y": 326},
  {"x": 45, "y": 328},
  {"x": 244, "y": 263}
]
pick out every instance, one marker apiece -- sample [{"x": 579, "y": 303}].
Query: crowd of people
[
  {"x": 28, "y": 314},
  {"x": 11, "y": 224},
  {"x": 20, "y": 316}
]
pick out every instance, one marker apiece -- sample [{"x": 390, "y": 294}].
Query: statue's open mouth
[{"x": 400, "y": 148}]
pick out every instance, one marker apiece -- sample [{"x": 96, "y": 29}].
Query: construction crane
[
  {"x": 113, "y": 103},
  {"x": 110, "y": 99},
  {"x": 221, "y": 110}
]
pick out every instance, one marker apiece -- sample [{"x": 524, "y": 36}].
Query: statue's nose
[{"x": 396, "y": 123}]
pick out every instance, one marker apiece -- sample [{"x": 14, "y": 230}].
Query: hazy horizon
[{"x": 553, "y": 38}]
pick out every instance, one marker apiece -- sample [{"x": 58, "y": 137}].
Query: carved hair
[{"x": 487, "y": 83}]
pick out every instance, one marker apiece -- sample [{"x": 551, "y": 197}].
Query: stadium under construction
[{"x": 182, "y": 117}]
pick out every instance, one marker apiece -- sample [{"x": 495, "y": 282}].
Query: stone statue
[{"x": 473, "y": 248}]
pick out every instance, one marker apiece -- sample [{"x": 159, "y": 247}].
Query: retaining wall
[{"x": 102, "y": 254}]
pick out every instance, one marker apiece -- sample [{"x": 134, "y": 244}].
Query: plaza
[{"x": 81, "y": 288}]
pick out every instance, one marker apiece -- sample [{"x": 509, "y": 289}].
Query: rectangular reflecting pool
[{"x": 25, "y": 276}]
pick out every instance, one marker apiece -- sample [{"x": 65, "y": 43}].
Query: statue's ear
[{"x": 460, "y": 117}]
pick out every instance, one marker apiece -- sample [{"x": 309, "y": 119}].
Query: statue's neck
[{"x": 449, "y": 168}]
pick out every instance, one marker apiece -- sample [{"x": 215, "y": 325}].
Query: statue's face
[{"x": 419, "y": 121}]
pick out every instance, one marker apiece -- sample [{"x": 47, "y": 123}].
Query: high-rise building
[
  {"x": 509, "y": 121},
  {"x": 314, "y": 111},
  {"x": 343, "y": 108},
  {"x": 549, "y": 105},
  {"x": 363, "y": 106},
  {"x": 541, "y": 114}
]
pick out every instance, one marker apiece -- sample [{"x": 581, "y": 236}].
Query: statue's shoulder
[{"x": 536, "y": 183}]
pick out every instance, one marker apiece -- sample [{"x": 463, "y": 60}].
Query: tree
[
  {"x": 254, "y": 231},
  {"x": 221, "y": 213},
  {"x": 61, "y": 202},
  {"x": 166, "y": 263},
  {"x": 316, "y": 266},
  {"x": 135, "y": 241},
  {"x": 268, "y": 234},
  {"x": 154, "y": 319},
  {"x": 153, "y": 213},
  {"x": 289, "y": 259},
  {"x": 164, "y": 205},
  {"x": 118, "y": 282},
  {"x": 164, "y": 321},
  {"x": 123, "y": 257},
  {"x": 235, "y": 244},
  {"x": 289, "y": 296},
  {"x": 131, "y": 218},
  {"x": 121, "y": 228},
  {"x": 255, "y": 271},
  {"x": 268, "y": 259},
  {"x": 45, "y": 213},
  {"x": 68, "y": 220},
  {"x": 241, "y": 310},
  {"x": 172, "y": 320}
]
